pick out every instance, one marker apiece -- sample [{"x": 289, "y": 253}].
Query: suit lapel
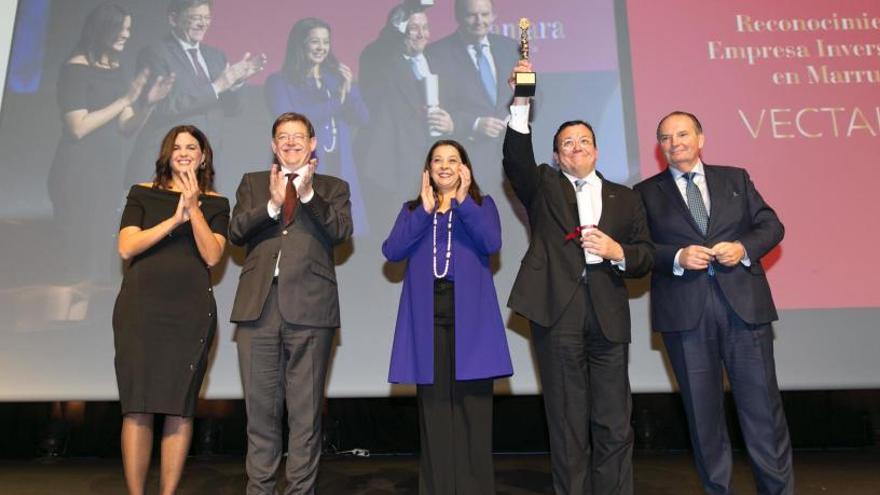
[
  {"x": 670, "y": 189},
  {"x": 410, "y": 87},
  {"x": 177, "y": 51},
  {"x": 717, "y": 196},
  {"x": 564, "y": 211},
  {"x": 609, "y": 206}
]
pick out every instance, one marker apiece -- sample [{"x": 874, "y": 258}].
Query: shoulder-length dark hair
[
  {"x": 473, "y": 190},
  {"x": 205, "y": 171},
  {"x": 102, "y": 28},
  {"x": 296, "y": 63}
]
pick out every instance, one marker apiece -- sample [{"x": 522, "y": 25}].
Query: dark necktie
[
  {"x": 486, "y": 76},
  {"x": 695, "y": 203},
  {"x": 291, "y": 201},
  {"x": 194, "y": 58}
]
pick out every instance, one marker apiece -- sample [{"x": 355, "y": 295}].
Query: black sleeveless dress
[{"x": 165, "y": 315}]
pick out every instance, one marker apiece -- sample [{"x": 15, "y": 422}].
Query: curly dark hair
[{"x": 205, "y": 171}]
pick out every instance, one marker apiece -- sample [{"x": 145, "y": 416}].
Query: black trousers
[
  {"x": 587, "y": 401},
  {"x": 455, "y": 417}
]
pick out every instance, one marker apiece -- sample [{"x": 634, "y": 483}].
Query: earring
[{"x": 202, "y": 166}]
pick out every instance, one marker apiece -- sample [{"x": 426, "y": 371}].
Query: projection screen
[{"x": 788, "y": 90}]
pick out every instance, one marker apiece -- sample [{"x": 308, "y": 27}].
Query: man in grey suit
[
  {"x": 205, "y": 84},
  {"x": 287, "y": 304}
]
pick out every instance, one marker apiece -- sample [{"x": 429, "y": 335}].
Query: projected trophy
[{"x": 524, "y": 82}]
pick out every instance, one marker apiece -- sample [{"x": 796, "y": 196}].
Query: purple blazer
[{"x": 480, "y": 342}]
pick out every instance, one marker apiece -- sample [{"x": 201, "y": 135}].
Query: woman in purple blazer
[
  {"x": 449, "y": 338},
  {"x": 314, "y": 83}
]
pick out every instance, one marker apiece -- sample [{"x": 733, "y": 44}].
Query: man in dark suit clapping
[
  {"x": 205, "y": 83},
  {"x": 287, "y": 304},
  {"x": 711, "y": 302}
]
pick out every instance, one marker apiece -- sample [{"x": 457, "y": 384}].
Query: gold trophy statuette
[{"x": 525, "y": 82}]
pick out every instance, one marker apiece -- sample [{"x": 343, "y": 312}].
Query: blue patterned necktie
[
  {"x": 695, "y": 203},
  {"x": 486, "y": 76}
]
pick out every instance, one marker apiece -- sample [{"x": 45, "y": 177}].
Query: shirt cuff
[
  {"x": 272, "y": 211},
  {"x": 621, "y": 265},
  {"x": 308, "y": 197},
  {"x": 677, "y": 269},
  {"x": 519, "y": 118},
  {"x": 745, "y": 259}
]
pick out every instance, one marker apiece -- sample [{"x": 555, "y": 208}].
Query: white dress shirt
[{"x": 420, "y": 63}]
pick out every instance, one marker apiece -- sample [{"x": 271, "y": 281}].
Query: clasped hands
[
  {"x": 188, "y": 204},
  {"x": 429, "y": 197},
  {"x": 696, "y": 257},
  {"x": 278, "y": 183}
]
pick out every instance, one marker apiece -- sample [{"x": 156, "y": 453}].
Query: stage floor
[{"x": 826, "y": 473}]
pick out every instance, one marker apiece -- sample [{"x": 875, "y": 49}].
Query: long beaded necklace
[{"x": 448, "y": 246}]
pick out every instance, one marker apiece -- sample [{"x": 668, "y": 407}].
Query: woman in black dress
[
  {"x": 98, "y": 107},
  {"x": 172, "y": 232}
]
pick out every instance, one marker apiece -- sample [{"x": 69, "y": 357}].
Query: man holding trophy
[{"x": 587, "y": 235}]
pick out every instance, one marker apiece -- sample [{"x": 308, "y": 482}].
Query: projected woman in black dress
[
  {"x": 98, "y": 107},
  {"x": 172, "y": 232}
]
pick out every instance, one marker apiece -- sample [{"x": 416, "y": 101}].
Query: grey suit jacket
[
  {"x": 192, "y": 101},
  {"x": 307, "y": 274}
]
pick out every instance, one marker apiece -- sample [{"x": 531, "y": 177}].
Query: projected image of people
[
  {"x": 472, "y": 64},
  {"x": 173, "y": 230},
  {"x": 449, "y": 338},
  {"x": 314, "y": 83},
  {"x": 206, "y": 86},
  {"x": 98, "y": 106},
  {"x": 404, "y": 114}
]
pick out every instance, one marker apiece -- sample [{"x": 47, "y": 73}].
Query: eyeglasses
[
  {"x": 199, "y": 18},
  {"x": 298, "y": 137},
  {"x": 569, "y": 143}
]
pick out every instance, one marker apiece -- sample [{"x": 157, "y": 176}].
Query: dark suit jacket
[
  {"x": 191, "y": 101},
  {"x": 461, "y": 91},
  {"x": 552, "y": 267},
  {"x": 396, "y": 142},
  {"x": 737, "y": 212},
  {"x": 307, "y": 274}
]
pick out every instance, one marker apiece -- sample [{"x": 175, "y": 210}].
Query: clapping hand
[
  {"x": 160, "y": 89},
  {"x": 347, "y": 80},
  {"x": 277, "y": 186},
  {"x": 136, "y": 86},
  {"x": 238, "y": 72},
  {"x": 464, "y": 183},
  {"x": 305, "y": 186},
  {"x": 429, "y": 200}
]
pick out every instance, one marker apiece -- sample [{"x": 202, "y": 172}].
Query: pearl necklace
[{"x": 448, "y": 246}]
